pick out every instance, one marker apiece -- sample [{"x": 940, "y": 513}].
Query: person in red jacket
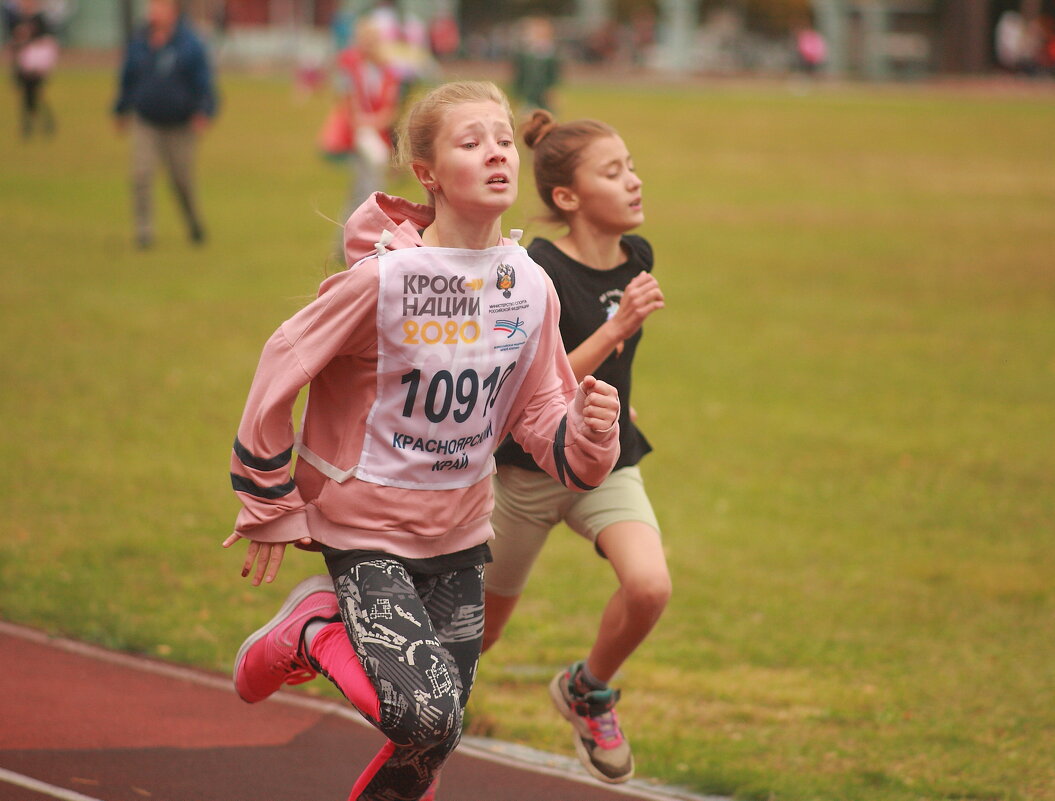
[
  {"x": 439, "y": 340},
  {"x": 369, "y": 88}
]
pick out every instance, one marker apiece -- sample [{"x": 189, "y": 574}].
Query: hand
[
  {"x": 199, "y": 123},
  {"x": 268, "y": 557},
  {"x": 121, "y": 124},
  {"x": 600, "y": 406},
  {"x": 641, "y": 297}
]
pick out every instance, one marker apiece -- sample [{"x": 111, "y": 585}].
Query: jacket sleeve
[
  {"x": 547, "y": 419},
  {"x": 201, "y": 80},
  {"x": 126, "y": 80},
  {"x": 340, "y": 321}
]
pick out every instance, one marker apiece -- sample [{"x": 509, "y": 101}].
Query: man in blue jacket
[{"x": 166, "y": 96}]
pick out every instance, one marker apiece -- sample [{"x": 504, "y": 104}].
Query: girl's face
[
  {"x": 475, "y": 161},
  {"x": 606, "y": 187}
]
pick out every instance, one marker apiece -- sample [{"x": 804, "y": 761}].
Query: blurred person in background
[
  {"x": 34, "y": 54},
  {"x": 444, "y": 36},
  {"x": 369, "y": 88},
  {"x": 167, "y": 98},
  {"x": 810, "y": 49},
  {"x": 536, "y": 64}
]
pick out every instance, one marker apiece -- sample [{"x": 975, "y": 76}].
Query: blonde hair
[
  {"x": 558, "y": 152},
  {"x": 421, "y": 125}
]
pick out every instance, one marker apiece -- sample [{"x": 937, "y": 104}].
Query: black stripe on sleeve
[
  {"x": 564, "y": 471},
  {"x": 242, "y": 484},
  {"x": 257, "y": 463}
]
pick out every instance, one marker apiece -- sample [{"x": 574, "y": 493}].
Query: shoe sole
[
  {"x": 562, "y": 706},
  {"x": 308, "y": 586}
]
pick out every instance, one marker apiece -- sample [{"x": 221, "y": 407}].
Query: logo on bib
[
  {"x": 511, "y": 327},
  {"x": 507, "y": 279}
]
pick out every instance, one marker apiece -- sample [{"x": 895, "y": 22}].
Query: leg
[
  {"x": 44, "y": 113},
  {"x": 145, "y": 148},
  {"x": 417, "y": 643},
  {"x": 367, "y": 179},
  {"x": 499, "y": 608},
  {"x": 179, "y": 151},
  {"x": 30, "y": 88},
  {"x": 636, "y": 553},
  {"x": 619, "y": 518},
  {"x": 455, "y": 606},
  {"x": 364, "y": 179},
  {"x": 527, "y": 506}
]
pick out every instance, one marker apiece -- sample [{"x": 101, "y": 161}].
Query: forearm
[{"x": 592, "y": 352}]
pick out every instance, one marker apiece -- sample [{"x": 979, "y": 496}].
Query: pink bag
[
  {"x": 39, "y": 56},
  {"x": 335, "y": 136}
]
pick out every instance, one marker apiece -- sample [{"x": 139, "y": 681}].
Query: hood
[{"x": 381, "y": 212}]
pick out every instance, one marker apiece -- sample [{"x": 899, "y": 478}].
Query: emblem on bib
[{"x": 507, "y": 279}]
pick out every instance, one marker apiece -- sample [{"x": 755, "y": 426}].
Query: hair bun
[{"x": 540, "y": 123}]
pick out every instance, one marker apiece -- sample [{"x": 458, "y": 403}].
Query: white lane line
[{"x": 62, "y": 793}]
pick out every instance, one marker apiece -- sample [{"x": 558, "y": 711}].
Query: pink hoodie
[{"x": 331, "y": 344}]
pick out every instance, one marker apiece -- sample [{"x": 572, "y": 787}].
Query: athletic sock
[
  {"x": 313, "y": 628},
  {"x": 587, "y": 682}
]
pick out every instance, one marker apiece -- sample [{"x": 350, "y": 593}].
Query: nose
[{"x": 498, "y": 154}]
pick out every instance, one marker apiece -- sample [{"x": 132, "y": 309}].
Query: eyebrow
[{"x": 478, "y": 125}]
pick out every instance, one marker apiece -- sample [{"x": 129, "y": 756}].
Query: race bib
[{"x": 456, "y": 333}]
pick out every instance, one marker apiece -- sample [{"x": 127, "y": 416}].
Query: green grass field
[{"x": 851, "y": 396}]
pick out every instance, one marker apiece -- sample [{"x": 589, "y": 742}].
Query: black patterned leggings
[{"x": 415, "y": 645}]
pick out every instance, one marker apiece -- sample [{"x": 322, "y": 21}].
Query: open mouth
[{"x": 498, "y": 179}]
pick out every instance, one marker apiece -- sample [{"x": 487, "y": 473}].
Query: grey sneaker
[{"x": 599, "y": 742}]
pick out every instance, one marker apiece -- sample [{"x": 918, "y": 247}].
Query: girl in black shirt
[{"x": 586, "y": 178}]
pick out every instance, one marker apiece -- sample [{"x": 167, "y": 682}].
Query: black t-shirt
[{"x": 588, "y": 298}]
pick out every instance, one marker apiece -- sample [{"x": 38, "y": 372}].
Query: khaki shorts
[{"x": 528, "y": 504}]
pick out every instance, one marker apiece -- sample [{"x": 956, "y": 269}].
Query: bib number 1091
[{"x": 444, "y": 389}]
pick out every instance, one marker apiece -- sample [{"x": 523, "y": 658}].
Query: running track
[{"x": 79, "y": 723}]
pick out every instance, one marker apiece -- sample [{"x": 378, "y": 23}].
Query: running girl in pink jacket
[{"x": 440, "y": 339}]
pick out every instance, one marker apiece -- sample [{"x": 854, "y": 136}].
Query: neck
[
  {"x": 596, "y": 249},
  {"x": 451, "y": 232}
]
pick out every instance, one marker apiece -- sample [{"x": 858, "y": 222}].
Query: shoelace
[
  {"x": 601, "y": 719},
  {"x": 292, "y": 671},
  {"x": 605, "y": 730}
]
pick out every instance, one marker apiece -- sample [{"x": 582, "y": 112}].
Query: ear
[
  {"x": 565, "y": 199},
  {"x": 424, "y": 174}
]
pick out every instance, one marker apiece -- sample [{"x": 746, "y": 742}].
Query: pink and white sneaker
[{"x": 272, "y": 655}]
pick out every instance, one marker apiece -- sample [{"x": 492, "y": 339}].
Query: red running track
[{"x": 80, "y": 723}]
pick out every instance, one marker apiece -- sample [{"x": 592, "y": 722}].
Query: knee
[
  {"x": 648, "y": 595},
  {"x": 437, "y": 731}
]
